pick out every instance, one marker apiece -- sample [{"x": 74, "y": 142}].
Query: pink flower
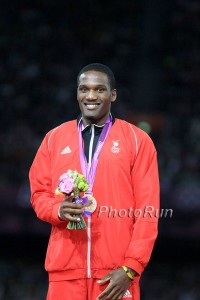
[{"x": 66, "y": 183}]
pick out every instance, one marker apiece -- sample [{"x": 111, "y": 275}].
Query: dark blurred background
[{"x": 153, "y": 48}]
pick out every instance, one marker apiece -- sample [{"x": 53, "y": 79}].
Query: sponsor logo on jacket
[
  {"x": 66, "y": 150},
  {"x": 127, "y": 295}
]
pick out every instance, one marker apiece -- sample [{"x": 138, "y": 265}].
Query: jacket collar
[{"x": 79, "y": 118}]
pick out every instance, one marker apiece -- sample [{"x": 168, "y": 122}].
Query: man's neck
[
  {"x": 89, "y": 122},
  {"x": 100, "y": 123}
]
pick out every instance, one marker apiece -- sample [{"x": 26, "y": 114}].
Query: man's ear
[{"x": 114, "y": 95}]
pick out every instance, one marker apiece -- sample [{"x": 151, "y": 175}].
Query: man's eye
[
  {"x": 101, "y": 90},
  {"x": 83, "y": 89}
]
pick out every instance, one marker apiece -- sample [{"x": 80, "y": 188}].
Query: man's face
[{"x": 94, "y": 95}]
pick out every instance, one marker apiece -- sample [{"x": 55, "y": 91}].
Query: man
[{"x": 105, "y": 260}]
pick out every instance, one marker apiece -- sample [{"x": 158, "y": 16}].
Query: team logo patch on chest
[{"x": 115, "y": 146}]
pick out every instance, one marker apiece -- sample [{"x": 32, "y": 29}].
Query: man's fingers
[
  {"x": 74, "y": 219},
  {"x": 105, "y": 292},
  {"x": 71, "y": 196},
  {"x": 68, "y": 204},
  {"x": 68, "y": 209},
  {"x": 104, "y": 279},
  {"x": 117, "y": 286},
  {"x": 111, "y": 293},
  {"x": 73, "y": 211},
  {"x": 114, "y": 294},
  {"x": 68, "y": 198}
]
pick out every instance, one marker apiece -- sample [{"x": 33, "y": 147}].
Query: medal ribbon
[{"x": 90, "y": 172}]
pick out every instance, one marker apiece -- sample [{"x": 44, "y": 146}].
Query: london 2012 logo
[{"x": 115, "y": 147}]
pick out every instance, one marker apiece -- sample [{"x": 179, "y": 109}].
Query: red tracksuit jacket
[{"x": 123, "y": 228}]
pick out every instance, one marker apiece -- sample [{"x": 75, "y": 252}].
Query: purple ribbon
[
  {"x": 83, "y": 200},
  {"x": 91, "y": 172}
]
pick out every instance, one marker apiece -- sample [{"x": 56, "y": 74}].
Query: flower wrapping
[{"x": 74, "y": 182}]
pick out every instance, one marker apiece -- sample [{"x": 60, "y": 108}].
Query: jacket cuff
[
  {"x": 55, "y": 217},
  {"x": 134, "y": 264}
]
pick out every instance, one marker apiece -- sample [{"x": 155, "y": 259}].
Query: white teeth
[{"x": 91, "y": 105}]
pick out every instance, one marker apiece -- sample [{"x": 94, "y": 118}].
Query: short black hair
[{"x": 99, "y": 68}]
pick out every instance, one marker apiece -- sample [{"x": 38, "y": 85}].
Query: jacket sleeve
[
  {"x": 145, "y": 182},
  {"x": 43, "y": 198}
]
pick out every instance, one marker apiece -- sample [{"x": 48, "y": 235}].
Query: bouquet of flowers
[{"x": 74, "y": 182}]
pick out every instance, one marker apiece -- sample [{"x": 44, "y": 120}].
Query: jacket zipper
[{"x": 89, "y": 218}]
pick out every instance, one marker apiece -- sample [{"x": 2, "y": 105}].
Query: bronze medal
[{"x": 91, "y": 205}]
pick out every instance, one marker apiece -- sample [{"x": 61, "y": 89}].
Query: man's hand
[
  {"x": 68, "y": 208},
  {"x": 119, "y": 283}
]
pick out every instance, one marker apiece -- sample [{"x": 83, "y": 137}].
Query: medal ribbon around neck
[{"x": 90, "y": 171}]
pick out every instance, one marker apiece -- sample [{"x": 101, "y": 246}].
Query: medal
[{"x": 91, "y": 205}]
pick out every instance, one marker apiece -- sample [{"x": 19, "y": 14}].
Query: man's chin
[{"x": 91, "y": 118}]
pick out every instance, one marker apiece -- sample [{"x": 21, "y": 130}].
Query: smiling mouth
[{"x": 92, "y": 106}]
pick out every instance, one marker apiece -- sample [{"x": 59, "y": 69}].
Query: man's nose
[{"x": 91, "y": 95}]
